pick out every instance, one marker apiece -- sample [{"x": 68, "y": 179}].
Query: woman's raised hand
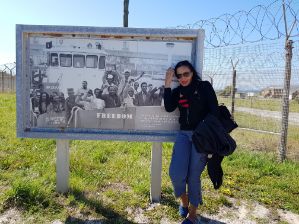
[{"x": 168, "y": 77}]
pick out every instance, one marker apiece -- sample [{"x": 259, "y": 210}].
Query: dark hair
[
  {"x": 41, "y": 100},
  {"x": 47, "y": 97},
  {"x": 143, "y": 83},
  {"x": 190, "y": 66},
  {"x": 112, "y": 86}
]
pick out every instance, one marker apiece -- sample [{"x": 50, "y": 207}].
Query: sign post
[
  {"x": 156, "y": 171},
  {"x": 62, "y": 165}
]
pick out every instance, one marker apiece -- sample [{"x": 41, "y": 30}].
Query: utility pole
[{"x": 126, "y": 12}]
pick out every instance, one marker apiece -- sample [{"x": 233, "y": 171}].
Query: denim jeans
[{"x": 186, "y": 167}]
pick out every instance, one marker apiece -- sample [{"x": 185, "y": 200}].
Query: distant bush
[{"x": 226, "y": 92}]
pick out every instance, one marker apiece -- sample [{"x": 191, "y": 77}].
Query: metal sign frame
[{"x": 23, "y": 32}]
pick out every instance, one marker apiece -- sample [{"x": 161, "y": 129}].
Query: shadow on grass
[
  {"x": 110, "y": 216},
  {"x": 167, "y": 198},
  {"x": 82, "y": 221},
  {"x": 205, "y": 220}
]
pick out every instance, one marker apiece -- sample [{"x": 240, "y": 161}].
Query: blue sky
[{"x": 142, "y": 13}]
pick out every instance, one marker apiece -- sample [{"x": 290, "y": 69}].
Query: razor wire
[
  {"x": 259, "y": 64},
  {"x": 258, "y": 24},
  {"x": 7, "y": 67}
]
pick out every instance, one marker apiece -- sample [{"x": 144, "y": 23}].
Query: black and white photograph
[{"x": 102, "y": 83}]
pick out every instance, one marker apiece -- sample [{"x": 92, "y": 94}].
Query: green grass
[
  {"x": 264, "y": 141},
  {"x": 259, "y": 177},
  {"x": 110, "y": 180},
  {"x": 259, "y": 103}
]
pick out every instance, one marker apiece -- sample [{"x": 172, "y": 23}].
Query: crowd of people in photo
[
  {"x": 116, "y": 91},
  {"x": 43, "y": 102}
]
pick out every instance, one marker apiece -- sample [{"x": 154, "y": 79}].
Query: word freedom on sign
[{"x": 114, "y": 116}]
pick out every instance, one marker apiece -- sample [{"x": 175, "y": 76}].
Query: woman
[{"x": 195, "y": 99}]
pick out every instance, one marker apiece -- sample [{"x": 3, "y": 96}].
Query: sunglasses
[{"x": 185, "y": 74}]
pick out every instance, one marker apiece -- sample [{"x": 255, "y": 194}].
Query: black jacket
[
  {"x": 211, "y": 136},
  {"x": 194, "y": 102}
]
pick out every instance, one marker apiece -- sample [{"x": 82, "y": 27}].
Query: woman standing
[{"x": 195, "y": 99}]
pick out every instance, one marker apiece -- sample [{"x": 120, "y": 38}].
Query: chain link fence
[{"x": 8, "y": 77}]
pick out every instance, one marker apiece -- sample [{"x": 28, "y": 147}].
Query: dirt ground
[{"x": 241, "y": 212}]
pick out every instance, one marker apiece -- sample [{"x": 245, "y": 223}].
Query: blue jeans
[{"x": 186, "y": 167}]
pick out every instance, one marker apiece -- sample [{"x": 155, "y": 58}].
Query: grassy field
[
  {"x": 258, "y": 103},
  {"x": 260, "y": 141},
  {"x": 110, "y": 180}
]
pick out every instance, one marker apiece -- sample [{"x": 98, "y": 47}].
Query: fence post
[
  {"x": 233, "y": 89},
  {"x": 156, "y": 171},
  {"x": 2, "y": 81},
  {"x": 11, "y": 85},
  {"x": 9, "y": 77},
  {"x": 285, "y": 101}
]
